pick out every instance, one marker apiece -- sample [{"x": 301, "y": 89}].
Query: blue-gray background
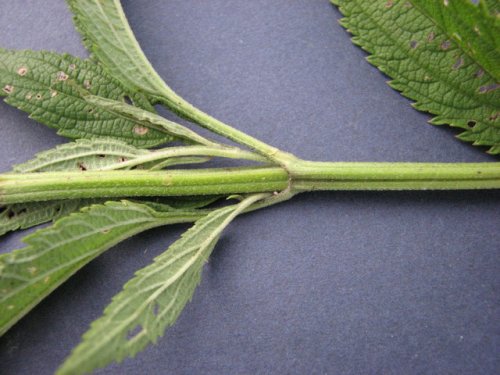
[{"x": 329, "y": 283}]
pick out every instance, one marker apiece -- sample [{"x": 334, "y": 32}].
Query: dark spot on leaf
[
  {"x": 134, "y": 332},
  {"x": 9, "y": 89},
  {"x": 127, "y": 99},
  {"x": 58, "y": 209},
  {"x": 489, "y": 88},
  {"x": 39, "y": 96},
  {"x": 10, "y": 214},
  {"x": 2, "y": 209},
  {"x": 156, "y": 309},
  {"x": 82, "y": 166},
  {"x": 413, "y": 44},
  {"x": 90, "y": 110},
  {"x": 445, "y": 45},
  {"x": 122, "y": 159},
  {"x": 101, "y": 156},
  {"x": 471, "y": 124},
  {"x": 479, "y": 73},
  {"x": 459, "y": 63},
  {"x": 105, "y": 231},
  {"x": 22, "y": 211}
]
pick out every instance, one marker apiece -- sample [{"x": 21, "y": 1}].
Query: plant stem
[
  {"x": 185, "y": 109},
  {"x": 175, "y": 152},
  {"x": 305, "y": 176},
  {"x": 394, "y": 176}
]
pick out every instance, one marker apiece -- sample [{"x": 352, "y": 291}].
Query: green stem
[
  {"x": 305, "y": 176},
  {"x": 175, "y": 152},
  {"x": 310, "y": 176},
  {"x": 185, "y": 109}
]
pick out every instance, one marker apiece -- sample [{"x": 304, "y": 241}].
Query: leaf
[
  {"x": 493, "y": 6},
  {"x": 154, "y": 298},
  {"x": 471, "y": 26},
  {"x": 107, "y": 35},
  {"x": 148, "y": 119},
  {"x": 27, "y": 215},
  {"x": 54, "y": 254},
  {"x": 82, "y": 155},
  {"x": 427, "y": 66},
  {"x": 50, "y": 86}
]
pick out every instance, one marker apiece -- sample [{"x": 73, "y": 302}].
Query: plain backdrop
[{"x": 329, "y": 283}]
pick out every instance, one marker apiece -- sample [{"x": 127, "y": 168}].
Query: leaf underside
[
  {"x": 51, "y": 88},
  {"x": 27, "y": 215},
  {"x": 152, "y": 300},
  {"x": 55, "y": 253},
  {"x": 428, "y": 66},
  {"x": 82, "y": 155},
  {"x": 107, "y": 35}
]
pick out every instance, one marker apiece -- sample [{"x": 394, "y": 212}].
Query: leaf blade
[
  {"x": 55, "y": 253},
  {"x": 154, "y": 298},
  {"x": 50, "y": 87},
  {"x": 108, "y": 36},
  {"x": 428, "y": 67},
  {"x": 27, "y": 215}
]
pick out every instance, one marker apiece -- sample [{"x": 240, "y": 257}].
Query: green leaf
[
  {"x": 27, "y": 215},
  {"x": 108, "y": 36},
  {"x": 154, "y": 298},
  {"x": 82, "y": 155},
  {"x": 475, "y": 30},
  {"x": 54, "y": 254},
  {"x": 50, "y": 87},
  {"x": 148, "y": 119},
  {"x": 427, "y": 66}
]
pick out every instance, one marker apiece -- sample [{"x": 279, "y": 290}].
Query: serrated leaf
[
  {"x": 27, "y": 215},
  {"x": 427, "y": 66},
  {"x": 50, "y": 87},
  {"x": 54, "y": 254},
  {"x": 154, "y": 298},
  {"x": 108, "y": 36}
]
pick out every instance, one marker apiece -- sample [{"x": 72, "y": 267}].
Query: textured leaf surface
[
  {"x": 54, "y": 254},
  {"x": 50, "y": 86},
  {"x": 27, "y": 215},
  {"x": 153, "y": 299},
  {"x": 427, "y": 66},
  {"x": 107, "y": 35},
  {"x": 471, "y": 26},
  {"x": 82, "y": 155},
  {"x": 148, "y": 119}
]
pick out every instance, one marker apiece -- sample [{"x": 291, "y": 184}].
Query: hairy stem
[
  {"x": 185, "y": 109},
  {"x": 175, "y": 152},
  {"x": 302, "y": 176}
]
